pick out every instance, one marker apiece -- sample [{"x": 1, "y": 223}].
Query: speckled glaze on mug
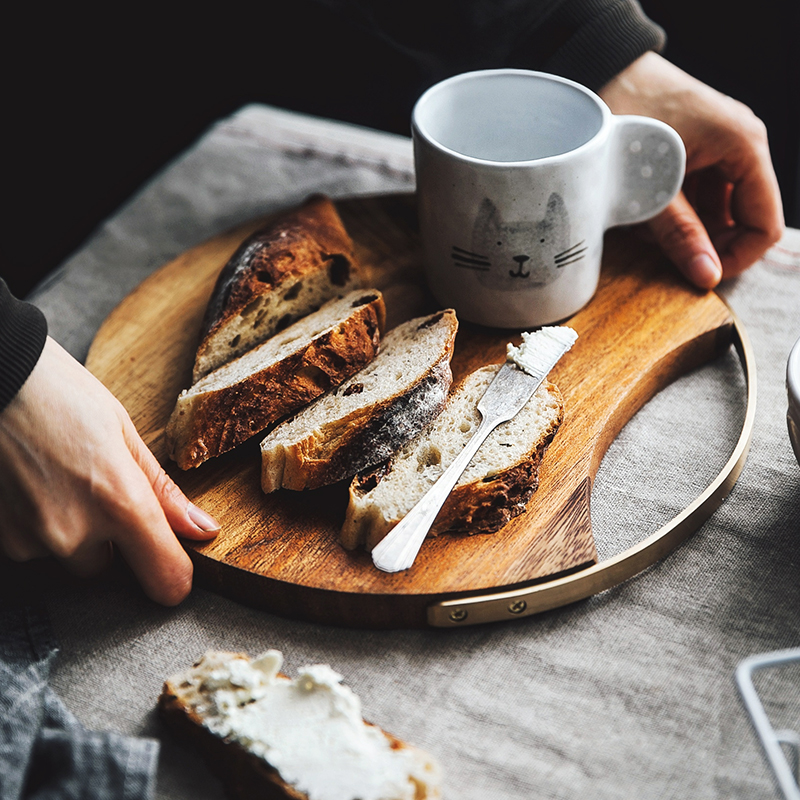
[{"x": 519, "y": 175}]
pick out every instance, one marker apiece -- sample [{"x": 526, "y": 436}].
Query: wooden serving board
[{"x": 644, "y": 328}]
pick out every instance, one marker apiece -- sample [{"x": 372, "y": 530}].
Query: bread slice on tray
[
  {"x": 369, "y": 416},
  {"x": 285, "y": 270},
  {"x": 269, "y": 736},
  {"x": 275, "y": 379},
  {"x": 494, "y": 488}
]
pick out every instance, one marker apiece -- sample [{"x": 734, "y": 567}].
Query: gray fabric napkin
[{"x": 45, "y": 753}]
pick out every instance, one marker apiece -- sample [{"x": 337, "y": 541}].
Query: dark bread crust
[
  {"x": 482, "y": 506},
  {"x": 370, "y": 435},
  {"x": 488, "y": 505},
  {"x": 301, "y": 240},
  {"x": 224, "y": 418},
  {"x": 243, "y": 774},
  {"x": 306, "y": 242}
]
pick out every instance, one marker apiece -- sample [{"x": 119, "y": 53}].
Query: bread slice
[
  {"x": 369, "y": 416},
  {"x": 275, "y": 379},
  {"x": 285, "y": 270},
  {"x": 267, "y": 736},
  {"x": 494, "y": 488}
]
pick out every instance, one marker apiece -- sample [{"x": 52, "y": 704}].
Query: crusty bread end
[{"x": 287, "y": 269}]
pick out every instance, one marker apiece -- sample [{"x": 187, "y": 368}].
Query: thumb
[
  {"x": 685, "y": 241},
  {"x": 184, "y": 517}
]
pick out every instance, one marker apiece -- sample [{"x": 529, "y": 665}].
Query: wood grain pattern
[{"x": 644, "y": 328}]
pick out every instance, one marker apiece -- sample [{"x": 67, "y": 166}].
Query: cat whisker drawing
[
  {"x": 468, "y": 260},
  {"x": 571, "y": 254}
]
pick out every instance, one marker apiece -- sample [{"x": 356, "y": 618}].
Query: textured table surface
[{"x": 630, "y": 694}]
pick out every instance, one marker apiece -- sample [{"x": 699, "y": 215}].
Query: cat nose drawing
[{"x": 519, "y": 273}]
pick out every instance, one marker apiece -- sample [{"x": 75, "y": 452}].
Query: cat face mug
[{"x": 519, "y": 174}]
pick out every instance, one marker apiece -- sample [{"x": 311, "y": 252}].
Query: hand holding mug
[{"x": 730, "y": 211}]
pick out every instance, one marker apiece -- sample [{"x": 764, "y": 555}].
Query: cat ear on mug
[
  {"x": 488, "y": 215},
  {"x": 555, "y": 205}
]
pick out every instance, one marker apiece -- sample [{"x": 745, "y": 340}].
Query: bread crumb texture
[
  {"x": 369, "y": 416},
  {"x": 287, "y": 269},
  {"x": 275, "y": 379},
  {"x": 494, "y": 488}
]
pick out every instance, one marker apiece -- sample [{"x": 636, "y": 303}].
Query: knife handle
[{"x": 398, "y": 549}]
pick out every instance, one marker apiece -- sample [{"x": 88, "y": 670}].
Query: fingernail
[
  {"x": 203, "y": 520},
  {"x": 704, "y": 271}
]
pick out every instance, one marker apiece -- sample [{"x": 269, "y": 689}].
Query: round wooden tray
[{"x": 644, "y": 328}]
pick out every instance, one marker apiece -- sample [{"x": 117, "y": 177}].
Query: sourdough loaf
[
  {"x": 267, "y": 736},
  {"x": 275, "y": 379},
  {"x": 285, "y": 270},
  {"x": 494, "y": 488},
  {"x": 364, "y": 420}
]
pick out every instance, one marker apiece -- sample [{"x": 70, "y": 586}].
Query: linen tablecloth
[{"x": 629, "y": 694}]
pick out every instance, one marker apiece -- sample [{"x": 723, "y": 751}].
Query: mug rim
[{"x": 419, "y": 130}]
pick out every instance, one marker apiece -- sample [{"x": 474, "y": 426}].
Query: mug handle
[{"x": 648, "y": 166}]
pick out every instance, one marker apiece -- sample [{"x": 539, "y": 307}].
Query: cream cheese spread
[
  {"x": 541, "y": 349},
  {"x": 310, "y": 728}
]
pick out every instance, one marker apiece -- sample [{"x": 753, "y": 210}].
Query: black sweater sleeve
[
  {"x": 589, "y": 41},
  {"x": 23, "y": 331}
]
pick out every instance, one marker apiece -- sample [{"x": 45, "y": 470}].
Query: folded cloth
[{"x": 44, "y": 751}]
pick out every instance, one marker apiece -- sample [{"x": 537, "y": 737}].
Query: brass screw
[
  {"x": 517, "y": 606},
  {"x": 458, "y": 614}
]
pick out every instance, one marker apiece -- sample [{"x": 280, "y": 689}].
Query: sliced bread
[
  {"x": 275, "y": 379},
  {"x": 494, "y": 488},
  {"x": 269, "y": 736},
  {"x": 364, "y": 420},
  {"x": 285, "y": 270}
]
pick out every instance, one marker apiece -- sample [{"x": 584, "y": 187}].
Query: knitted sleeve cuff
[
  {"x": 591, "y": 41},
  {"x": 23, "y": 332}
]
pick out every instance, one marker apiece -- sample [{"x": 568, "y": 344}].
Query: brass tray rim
[{"x": 539, "y": 597}]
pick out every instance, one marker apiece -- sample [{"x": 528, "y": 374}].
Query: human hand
[
  {"x": 729, "y": 212},
  {"x": 76, "y": 478}
]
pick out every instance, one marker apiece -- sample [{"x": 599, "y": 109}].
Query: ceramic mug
[{"x": 519, "y": 174}]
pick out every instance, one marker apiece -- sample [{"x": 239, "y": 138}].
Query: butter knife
[{"x": 507, "y": 394}]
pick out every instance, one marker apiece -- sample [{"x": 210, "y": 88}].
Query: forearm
[{"x": 23, "y": 331}]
